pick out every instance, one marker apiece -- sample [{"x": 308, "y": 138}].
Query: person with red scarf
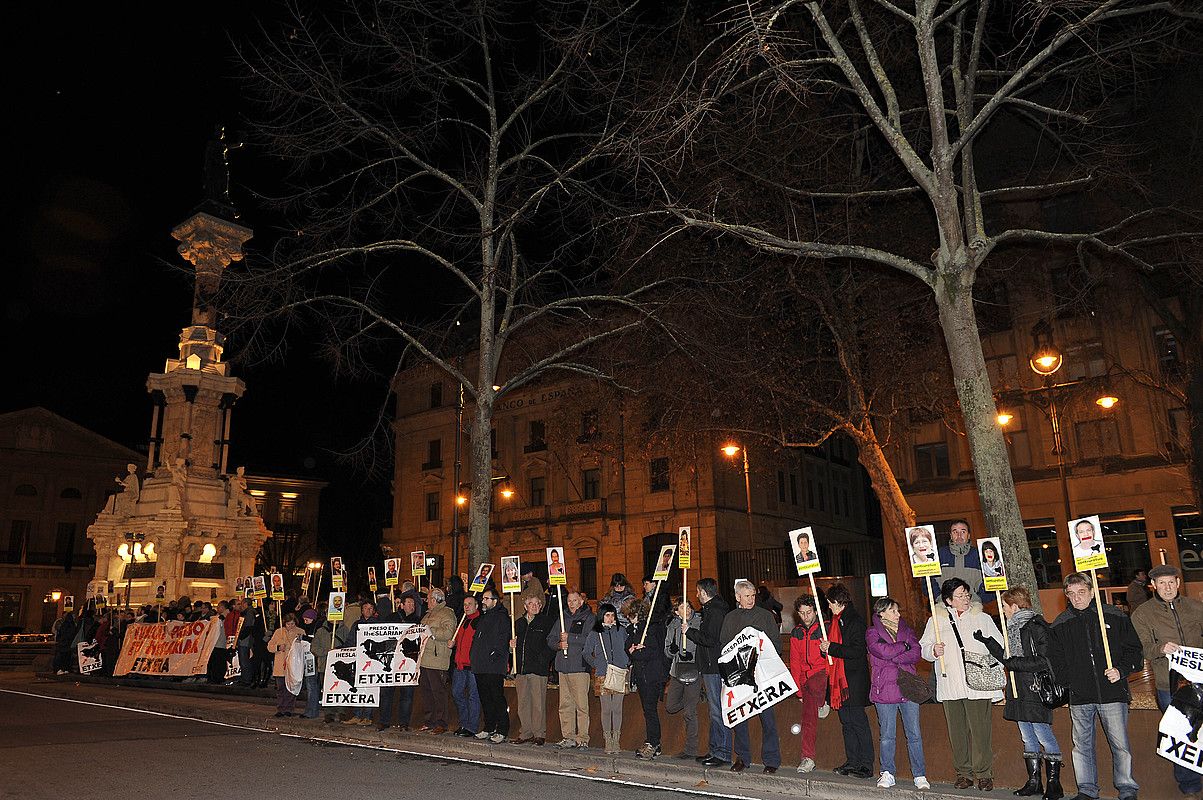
[
  {"x": 848, "y": 678},
  {"x": 809, "y": 668}
]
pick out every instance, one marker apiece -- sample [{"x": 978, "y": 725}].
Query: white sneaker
[
  {"x": 566, "y": 743},
  {"x": 921, "y": 782},
  {"x": 824, "y": 710},
  {"x": 497, "y": 738},
  {"x": 482, "y": 735},
  {"x": 806, "y": 765},
  {"x": 886, "y": 781}
]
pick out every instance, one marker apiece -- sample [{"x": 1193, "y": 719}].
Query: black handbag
[
  {"x": 914, "y": 688},
  {"x": 1045, "y": 686}
]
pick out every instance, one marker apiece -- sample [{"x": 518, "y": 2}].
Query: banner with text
[
  {"x": 338, "y": 684},
  {"x": 169, "y": 648},
  {"x": 754, "y": 676},
  {"x": 389, "y": 654}
]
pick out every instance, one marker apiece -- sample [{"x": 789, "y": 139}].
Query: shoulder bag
[
  {"x": 914, "y": 688},
  {"x": 1045, "y": 686},
  {"x": 982, "y": 672},
  {"x": 617, "y": 679}
]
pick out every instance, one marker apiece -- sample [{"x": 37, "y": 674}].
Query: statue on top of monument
[
  {"x": 240, "y": 499},
  {"x": 217, "y": 168},
  {"x": 131, "y": 489},
  {"x": 177, "y": 489}
]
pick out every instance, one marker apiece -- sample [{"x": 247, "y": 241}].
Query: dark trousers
[
  {"x": 434, "y": 686},
  {"x": 216, "y": 672},
  {"x": 649, "y": 698},
  {"x": 400, "y": 697},
  {"x": 770, "y": 746},
  {"x": 284, "y": 698},
  {"x": 858, "y": 742},
  {"x": 1188, "y": 780},
  {"x": 493, "y": 707}
]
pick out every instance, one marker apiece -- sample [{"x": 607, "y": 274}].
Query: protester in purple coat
[{"x": 893, "y": 648}]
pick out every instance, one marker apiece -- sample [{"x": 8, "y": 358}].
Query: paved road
[{"x": 57, "y": 750}]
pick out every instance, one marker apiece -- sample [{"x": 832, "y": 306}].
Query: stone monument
[{"x": 187, "y": 524}]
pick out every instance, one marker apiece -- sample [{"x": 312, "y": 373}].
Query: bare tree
[
  {"x": 908, "y": 93},
  {"x": 448, "y": 161}
]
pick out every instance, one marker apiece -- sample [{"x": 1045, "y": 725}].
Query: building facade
[{"x": 573, "y": 467}]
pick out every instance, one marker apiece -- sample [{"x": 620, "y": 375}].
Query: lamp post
[
  {"x": 131, "y": 538},
  {"x": 459, "y": 498},
  {"x": 730, "y": 451}
]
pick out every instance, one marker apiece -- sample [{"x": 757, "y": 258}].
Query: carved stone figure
[
  {"x": 240, "y": 499},
  {"x": 177, "y": 490},
  {"x": 131, "y": 489}
]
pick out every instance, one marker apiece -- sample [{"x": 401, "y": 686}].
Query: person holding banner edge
[
  {"x": 1165, "y": 623},
  {"x": 747, "y": 614}
]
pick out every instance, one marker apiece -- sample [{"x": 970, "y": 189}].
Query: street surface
[{"x": 52, "y": 749}]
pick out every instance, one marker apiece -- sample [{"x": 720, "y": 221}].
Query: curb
[{"x": 685, "y": 775}]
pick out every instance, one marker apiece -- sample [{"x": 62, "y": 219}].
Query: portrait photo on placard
[
  {"x": 556, "y": 572},
  {"x": 664, "y": 563},
  {"x": 994, "y": 571},
  {"x": 684, "y": 544},
  {"x": 511, "y": 575},
  {"x": 806, "y": 555},
  {"x": 1086, "y": 539},
  {"x": 921, "y": 549},
  {"x": 391, "y": 568},
  {"x": 482, "y": 578}
]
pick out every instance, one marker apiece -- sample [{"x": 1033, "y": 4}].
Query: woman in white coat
[{"x": 967, "y": 710}]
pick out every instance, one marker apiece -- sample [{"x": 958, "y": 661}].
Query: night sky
[{"x": 110, "y": 114}]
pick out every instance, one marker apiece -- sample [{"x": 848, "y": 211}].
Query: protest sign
[
  {"x": 338, "y": 684},
  {"x": 417, "y": 563},
  {"x": 754, "y": 676},
  {"x": 88, "y": 655},
  {"x": 806, "y": 557},
  {"x": 68, "y": 604},
  {"x": 338, "y": 602},
  {"x": 372, "y": 579},
  {"x": 304, "y": 581},
  {"x": 556, "y": 575},
  {"x": 388, "y": 653},
  {"x": 233, "y": 665},
  {"x": 482, "y": 578},
  {"x": 1086, "y": 538},
  {"x": 921, "y": 547},
  {"x": 259, "y": 592},
  {"x": 102, "y": 601},
  {"x": 392, "y": 571},
  {"x": 511, "y": 575},
  {"x": 1178, "y": 731},
  {"x": 277, "y": 582},
  {"x": 683, "y": 547},
  {"x": 338, "y": 577},
  {"x": 994, "y": 572},
  {"x": 96, "y": 589},
  {"x": 664, "y": 563},
  {"x": 169, "y": 648}
]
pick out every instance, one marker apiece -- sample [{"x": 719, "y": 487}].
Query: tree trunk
[
  {"x": 481, "y": 472},
  {"x": 992, "y": 466},
  {"x": 896, "y": 516}
]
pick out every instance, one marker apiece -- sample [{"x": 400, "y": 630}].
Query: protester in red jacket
[
  {"x": 463, "y": 682},
  {"x": 809, "y": 668}
]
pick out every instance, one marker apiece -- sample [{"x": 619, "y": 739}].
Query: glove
[{"x": 980, "y": 636}]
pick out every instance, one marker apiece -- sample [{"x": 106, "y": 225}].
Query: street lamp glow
[
  {"x": 507, "y": 493},
  {"x": 1004, "y": 417},
  {"x": 1046, "y": 360},
  {"x": 1107, "y": 401},
  {"x": 460, "y": 500},
  {"x": 730, "y": 450}
]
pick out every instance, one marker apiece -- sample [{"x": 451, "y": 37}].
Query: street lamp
[
  {"x": 1046, "y": 359},
  {"x": 730, "y": 451}
]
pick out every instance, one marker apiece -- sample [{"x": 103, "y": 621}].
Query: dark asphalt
[{"x": 56, "y": 750}]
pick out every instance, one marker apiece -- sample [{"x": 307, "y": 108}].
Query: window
[
  {"x": 537, "y": 439},
  {"x": 1042, "y": 544},
  {"x": 1165, "y": 346},
  {"x": 1018, "y": 445},
  {"x": 64, "y": 544},
  {"x": 26, "y": 490},
  {"x": 588, "y": 573},
  {"x": 793, "y": 489},
  {"x": 434, "y": 454},
  {"x": 992, "y": 306},
  {"x": 288, "y": 513},
  {"x": 780, "y": 486},
  {"x": 591, "y": 483},
  {"x": 847, "y": 505},
  {"x": 1085, "y": 361},
  {"x": 18, "y": 536},
  {"x": 589, "y": 426},
  {"x": 1179, "y": 427},
  {"x": 71, "y": 494},
  {"x": 810, "y": 493},
  {"x": 538, "y": 491},
  {"x": 493, "y": 442},
  {"x": 658, "y": 475},
  {"x": 432, "y": 506},
  {"x": 1072, "y": 290},
  {"x": 931, "y": 461},
  {"x": 436, "y": 395},
  {"x": 1097, "y": 438}
]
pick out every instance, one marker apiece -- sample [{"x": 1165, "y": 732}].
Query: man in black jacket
[
  {"x": 1094, "y": 690},
  {"x": 709, "y": 645},
  {"x": 490, "y": 662},
  {"x": 534, "y": 663},
  {"x": 851, "y": 658}
]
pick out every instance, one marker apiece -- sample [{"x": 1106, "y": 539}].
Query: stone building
[{"x": 572, "y": 468}]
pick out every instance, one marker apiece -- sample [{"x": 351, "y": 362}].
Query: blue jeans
[
  {"x": 313, "y": 696},
  {"x": 887, "y": 723},
  {"x": 1114, "y": 717},
  {"x": 720, "y": 735},
  {"x": 1037, "y": 735},
  {"x": 1188, "y": 780},
  {"x": 770, "y": 748},
  {"x": 467, "y": 701},
  {"x": 403, "y": 696},
  {"x": 246, "y": 675}
]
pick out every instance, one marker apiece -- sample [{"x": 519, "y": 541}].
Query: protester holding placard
[
  {"x": 490, "y": 663},
  {"x": 1165, "y": 623},
  {"x": 1079, "y": 661},
  {"x": 708, "y": 638},
  {"x": 684, "y": 680},
  {"x": 1028, "y": 636},
  {"x": 650, "y": 672},
  {"x": 399, "y": 697},
  {"x": 966, "y": 709},
  {"x": 368, "y": 615},
  {"x": 893, "y": 649},
  {"x": 569, "y": 643},
  {"x": 534, "y": 663},
  {"x": 281, "y": 642},
  {"x": 809, "y": 668},
  {"x": 849, "y": 681},
  {"x": 463, "y": 682},
  {"x": 749, "y": 615},
  {"x": 434, "y": 680},
  {"x": 606, "y": 646}
]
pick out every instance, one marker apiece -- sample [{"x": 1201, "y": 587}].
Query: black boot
[
  {"x": 1052, "y": 783},
  {"x": 1032, "y": 787}
]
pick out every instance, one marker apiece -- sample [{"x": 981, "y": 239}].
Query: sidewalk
[{"x": 256, "y": 712}]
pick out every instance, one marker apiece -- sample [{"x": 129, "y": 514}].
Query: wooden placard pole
[
  {"x": 648, "y": 624},
  {"x": 814, "y": 593},
  {"x": 560, "y": 603},
  {"x": 1098, "y": 604},
  {"x": 1006, "y": 640},
  {"x": 931, "y": 596},
  {"x": 513, "y": 634},
  {"x": 317, "y": 591}
]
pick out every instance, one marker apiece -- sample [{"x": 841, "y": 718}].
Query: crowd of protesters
[{"x": 668, "y": 652}]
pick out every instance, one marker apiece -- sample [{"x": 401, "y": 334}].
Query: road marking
[{"x": 384, "y": 748}]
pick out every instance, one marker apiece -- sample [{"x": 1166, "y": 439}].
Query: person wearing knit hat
[{"x": 1165, "y": 622}]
